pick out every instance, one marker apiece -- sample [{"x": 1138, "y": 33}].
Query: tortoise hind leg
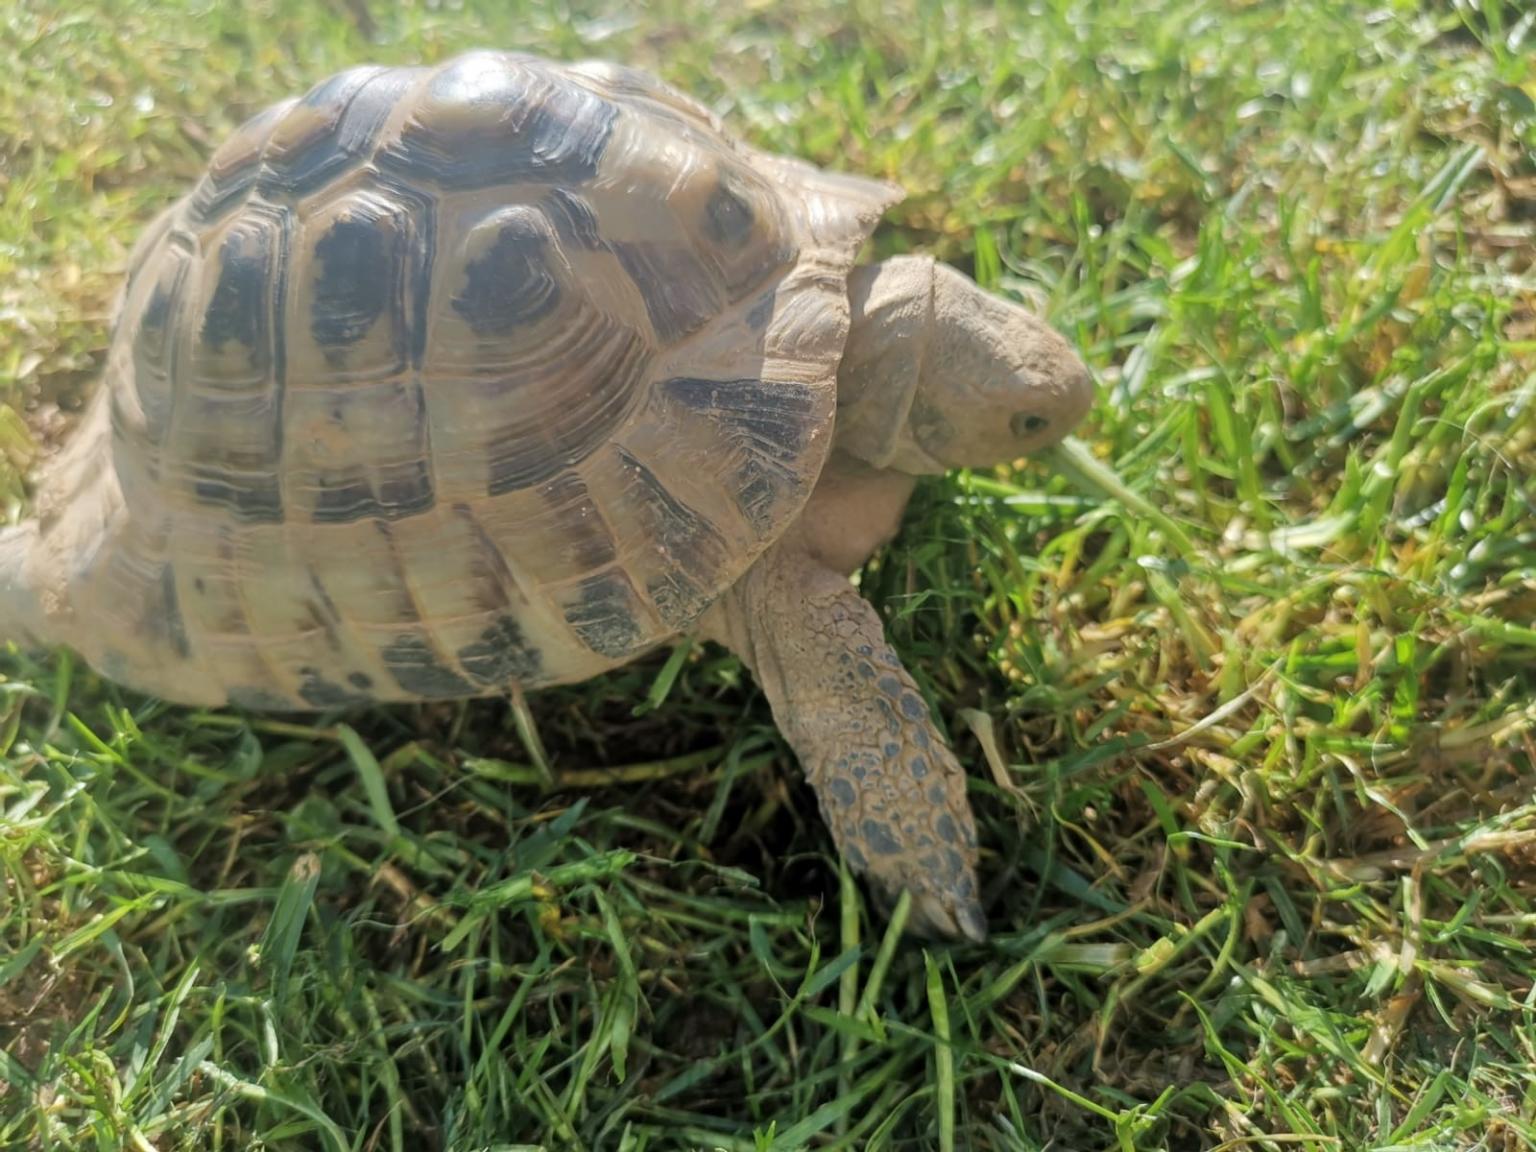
[{"x": 889, "y": 788}]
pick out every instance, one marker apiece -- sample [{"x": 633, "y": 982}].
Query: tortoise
[{"x": 503, "y": 372}]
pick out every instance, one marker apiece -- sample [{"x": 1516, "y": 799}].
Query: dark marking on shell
[
  {"x": 237, "y": 310},
  {"x": 360, "y": 680},
  {"x": 879, "y": 838},
  {"x": 154, "y": 343},
  {"x": 344, "y": 498},
  {"x": 163, "y": 621},
  {"x": 322, "y": 693},
  {"x": 679, "y": 291},
  {"x": 358, "y": 279},
  {"x": 416, "y": 668},
  {"x": 252, "y": 699},
  {"x": 494, "y": 587},
  {"x": 728, "y": 217},
  {"x": 770, "y": 422},
  {"x": 576, "y": 522},
  {"x": 605, "y": 616},
  {"x": 509, "y": 285},
  {"x": 502, "y": 655},
  {"x": 403, "y": 490},
  {"x": 327, "y": 611},
  {"x": 251, "y": 498},
  {"x": 693, "y": 551},
  {"x": 490, "y": 118}
]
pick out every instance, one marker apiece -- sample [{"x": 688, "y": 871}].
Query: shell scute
[
  {"x": 331, "y": 128},
  {"x": 490, "y": 118}
]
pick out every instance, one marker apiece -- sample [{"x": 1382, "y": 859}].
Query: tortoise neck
[
  {"x": 891, "y": 322},
  {"x": 20, "y": 614}
]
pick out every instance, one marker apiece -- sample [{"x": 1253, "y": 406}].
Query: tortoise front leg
[{"x": 889, "y": 787}]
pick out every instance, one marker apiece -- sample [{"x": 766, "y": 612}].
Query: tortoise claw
[{"x": 946, "y": 914}]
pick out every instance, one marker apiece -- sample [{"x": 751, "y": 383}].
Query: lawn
[{"x": 1253, "y": 774}]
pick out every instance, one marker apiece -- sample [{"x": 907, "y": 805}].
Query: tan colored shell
[{"x": 446, "y": 378}]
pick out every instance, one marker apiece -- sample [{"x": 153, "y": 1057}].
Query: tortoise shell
[{"x": 446, "y": 378}]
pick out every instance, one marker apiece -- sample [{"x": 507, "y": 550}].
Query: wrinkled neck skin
[
  {"x": 19, "y": 610},
  {"x": 892, "y": 323}
]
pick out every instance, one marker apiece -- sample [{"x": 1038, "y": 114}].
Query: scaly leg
[{"x": 889, "y": 788}]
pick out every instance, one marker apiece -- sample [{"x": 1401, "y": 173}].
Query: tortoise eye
[{"x": 1026, "y": 423}]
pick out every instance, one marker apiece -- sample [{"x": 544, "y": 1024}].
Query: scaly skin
[{"x": 889, "y": 788}]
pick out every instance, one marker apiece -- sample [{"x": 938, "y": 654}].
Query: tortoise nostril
[{"x": 1027, "y": 423}]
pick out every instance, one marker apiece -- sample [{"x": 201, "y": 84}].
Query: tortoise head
[{"x": 940, "y": 374}]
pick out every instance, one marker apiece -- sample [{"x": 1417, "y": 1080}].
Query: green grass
[{"x": 1256, "y": 794}]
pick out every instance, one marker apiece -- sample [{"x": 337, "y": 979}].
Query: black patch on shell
[
  {"x": 728, "y": 217},
  {"x": 404, "y": 490},
  {"x": 360, "y": 680},
  {"x": 343, "y": 499},
  {"x": 577, "y": 523},
  {"x": 769, "y": 422},
  {"x": 502, "y": 655},
  {"x": 237, "y": 310},
  {"x": 163, "y": 621},
  {"x": 694, "y": 550},
  {"x": 679, "y": 291},
  {"x": 488, "y": 118},
  {"x": 314, "y": 689},
  {"x": 605, "y": 615},
  {"x": 510, "y": 284},
  {"x": 251, "y": 498},
  {"x": 251, "y": 699},
  {"x": 415, "y": 667},
  {"x": 358, "y": 101},
  {"x": 359, "y": 272},
  {"x": 153, "y": 343}
]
